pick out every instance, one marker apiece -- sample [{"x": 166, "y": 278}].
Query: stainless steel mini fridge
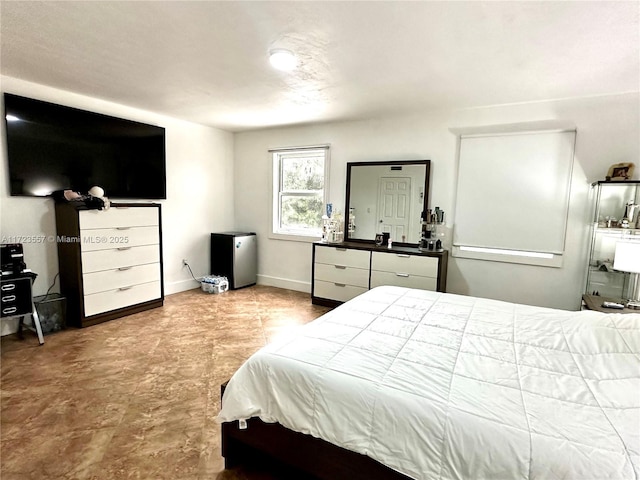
[{"x": 234, "y": 255}]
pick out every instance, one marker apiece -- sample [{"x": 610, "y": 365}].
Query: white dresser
[
  {"x": 341, "y": 272},
  {"x": 110, "y": 261},
  {"x": 404, "y": 270}
]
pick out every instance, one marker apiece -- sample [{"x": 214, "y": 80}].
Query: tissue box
[{"x": 214, "y": 284}]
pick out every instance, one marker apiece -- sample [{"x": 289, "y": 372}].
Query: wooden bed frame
[{"x": 300, "y": 456}]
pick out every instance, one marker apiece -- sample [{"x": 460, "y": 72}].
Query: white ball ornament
[{"x": 96, "y": 192}]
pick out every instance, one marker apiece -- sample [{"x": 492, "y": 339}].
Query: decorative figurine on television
[{"x": 93, "y": 200}]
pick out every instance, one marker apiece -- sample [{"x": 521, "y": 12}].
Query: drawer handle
[
  {"x": 125, "y": 288},
  {"x": 123, "y": 248},
  {"x": 406, "y": 275},
  {"x": 123, "y": 228},
  {"x": 9, "y": 311},
  {"x": 7, "y": 287},
  {"x": 341, "y": 267},
  {"x": 341, "y": 249},
  {"x": 121, "y": 208},
  {"x": 9, "y": 298},
  {"x": 340, "y": 284},
  {"x": 403, "y": 255},
  {"x": 122, "y": 269}
]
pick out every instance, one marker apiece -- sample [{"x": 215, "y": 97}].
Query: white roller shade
[{"x": 513, "y": 191}]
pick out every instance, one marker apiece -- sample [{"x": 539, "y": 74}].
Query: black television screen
[{"x": 52, "y": 147}]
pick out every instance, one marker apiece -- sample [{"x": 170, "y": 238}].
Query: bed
[{"x": 426, "y": 385}]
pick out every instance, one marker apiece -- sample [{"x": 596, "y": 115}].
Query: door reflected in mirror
[{"x": 386, "y": 197}]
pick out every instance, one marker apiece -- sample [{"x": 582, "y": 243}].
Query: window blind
[{"x": 513, "y": 191}]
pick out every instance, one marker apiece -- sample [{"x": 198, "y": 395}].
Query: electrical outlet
[{"x": 184, "y": 262}]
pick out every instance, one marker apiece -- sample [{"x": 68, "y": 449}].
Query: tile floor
[{"x": 136, "y": 397}]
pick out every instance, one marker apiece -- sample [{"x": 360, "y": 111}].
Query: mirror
[{"x": 386, "y": 197}]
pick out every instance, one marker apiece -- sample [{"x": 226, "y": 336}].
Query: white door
[{"x": 394, "y": 201}]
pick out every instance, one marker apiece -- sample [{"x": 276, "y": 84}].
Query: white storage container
[{"x": 214, "y": 284}]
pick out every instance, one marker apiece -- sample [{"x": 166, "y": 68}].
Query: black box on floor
[{"x": 52, "y": 311}]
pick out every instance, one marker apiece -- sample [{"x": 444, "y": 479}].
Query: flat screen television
[{"x": 52, "y": 147}]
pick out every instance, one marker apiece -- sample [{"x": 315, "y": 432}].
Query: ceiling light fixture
[{"x": 283, "y": 59}]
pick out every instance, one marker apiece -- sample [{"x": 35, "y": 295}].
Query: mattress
[{"x": 442, "y": 386}]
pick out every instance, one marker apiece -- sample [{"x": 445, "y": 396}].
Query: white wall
[
  {"x": 607, "y": 127},
  {"x": 199, "y": 189}
]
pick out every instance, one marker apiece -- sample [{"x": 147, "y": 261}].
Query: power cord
[
  {"x": 191, "y": 272},
  {"x": 46, "y": 295}
]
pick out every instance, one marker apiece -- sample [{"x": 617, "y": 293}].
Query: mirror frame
[{"x": 425, "y": 206}]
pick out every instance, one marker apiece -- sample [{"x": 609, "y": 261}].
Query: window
[
  {"x": 513, "y": 196},
  {"x": 299, "y": 190}
]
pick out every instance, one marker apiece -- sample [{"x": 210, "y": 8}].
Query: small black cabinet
[
  {"x": 16, "y": 297},
  {"x": 16, "y": 300}
]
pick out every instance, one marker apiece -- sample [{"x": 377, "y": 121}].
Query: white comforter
[{"x": 441, "y": 386}]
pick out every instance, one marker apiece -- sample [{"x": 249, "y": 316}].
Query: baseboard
[
  {"x": 284, "y": 283},
  {"x": 8, "y": 326},
  {"x": 180, "y": 286}
]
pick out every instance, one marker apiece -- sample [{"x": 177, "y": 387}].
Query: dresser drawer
[
  {"x": 96, "y": 282},
  {"x": 336, "y": 291},
  {"x": 358, "y": 277},
  {"x": 100, "y": 260},
  {"x": 401, "y": 263},
  {"x": 119, "y": 217},
  {"x": 403, "y": 280},
  {"x": 15, "y": 297},
  {"x": 345, "y": 257},
  {"x": 120, "y": 298},
  {"x": 109, "y": 238}
]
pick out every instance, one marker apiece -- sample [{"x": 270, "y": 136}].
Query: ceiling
[{"x": 207, "y": 61}]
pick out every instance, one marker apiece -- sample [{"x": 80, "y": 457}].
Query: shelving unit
[
  {"x": 431, "y": 233},
  {"x": 610, "y": 200}
]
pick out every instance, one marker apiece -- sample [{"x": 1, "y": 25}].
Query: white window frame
[{"x": 304, "y": 234}]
